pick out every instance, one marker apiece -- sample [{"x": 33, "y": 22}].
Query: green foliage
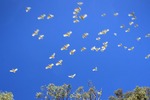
[
  {"x": 91, "y": 94},
  {"x": 139, "y": 93},
  {"x": 6, "y": 96},
  {"x": 53, "y": 92}
]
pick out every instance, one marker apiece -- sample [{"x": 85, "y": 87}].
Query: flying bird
[
  {"x": 147, "y": 35},
  {"x": 72, "y": 52},
  {"x": 80, "y": 3},
  {"x": 72, "y": 76},
  {"x": 136, "y": 25},
  {"x": 132, "y": 14},
  {"x": 103, "y": 48},
  {"x": 65, "y": 47},
  {"x": 95, "y": 69},
  {"x": 93, "y": 48},
  {"x": 128, "y": 30},
  {"x": 59, "y": 62},
  {"x": 28, "y": 9},
  {"x": 130, "y": 49},
  {"x": 97, "y": 49},
  {"x": 49, "y": 66},
  {"x": 103, "y": 15},
  {"x": 41, "y": 17},
  {"x": 77, "y": 10},
  {"x": 36, "y": 32},
  {"x": 103, "y": 32},
  {"x": 76, "y": 21},
  {"x": 105, "y": 43},
  {"x": 83, "y": 49},
  {"x": 133, "y": 18},
  {"x": 131, "y": 23},
  {"x": 13, "y": 70},
  {"x": 50, "y": 16},
  {"x": 115, "y": 34},
  {"x": 122, "y": 26},
  {"x": 125, "y": 47},
  {"x": 75, "y": 16},
  {"x": 138, "y": 39},
  {"x": 147, "y": 56},
  {"x": 83, "y": 16},
  {"x": 67, "y": 34},
  {"x": 116, "y": 14},
  {"x": 41, "y": 37},
  {"x": 52, "y": 56},
  {"x": 98, "y": 38},
  {"x": 119, "y": 45},
  {"x": 85, "y": 35}
]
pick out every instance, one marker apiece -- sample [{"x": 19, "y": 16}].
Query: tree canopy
[
  {"x": 6, "y": 96},
  {"x": 53, "y": 92},
  {"x": 139, "y": 93}
]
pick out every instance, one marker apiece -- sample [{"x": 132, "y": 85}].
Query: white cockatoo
[
  {"x": 67, "y": 34},
  {"x": 50, "y": 16},
  {"x": 72, "y": 76},
  {"x": 65, "y": 47},
  {"x": 52, "y": 56},
  {"x": 116, "y": 14},
  {"x": 72, "y": 51},
  {"x": 95, "y": 69},
  {"x": 83, "y": 49},
  {"x": 41, "y": 37},
  {"x": 28, "y": 9},
  {"x": 36, "y": 32},
  {"x": 83, "y": 16},
  {"x": 13, "y": 70},
  {"x": 85, "y": 35},
  {"x": 59, "y": 63},
  {"x": 41, "y": 16},
  {"x": 49, "y": 66}
]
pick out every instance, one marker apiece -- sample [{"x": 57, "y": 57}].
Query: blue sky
[{"x": 117, "y": 67}]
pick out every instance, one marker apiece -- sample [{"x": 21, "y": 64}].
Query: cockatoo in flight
[
  {"x": 49, "y": 66},
  {"x": 50, "y": 16},
  {"x": 41, "y": 17},
  {"x": 85, "y": 35},
  {"x": 116, "y": 14},
  {"x": 28, "y": 9},
  {"x": 147, "y": 56},
  {"x": 59, "y": 62},
  {"x": 52, "y": 56},
  {"x": 65, "y": 47},
  {"x": 83, "y": 49},
  {"x": 13, "y": 70},
  {"x": 103, "y": 32},
  {"x": 80, "y": 3},
  {"x": 72, "y": 51},
  {"x": 76, "y": 21},
  {"x": 130, "y": 49},
  {"x": 36, "y": 32},
  {"x": 41, "y": 37},
  {"x": 72, "y": 76},
  {"x": 98, "y": 38},
  {"x": 67, "y": 34},
  {"x": 83, "y": 16},
  {"x": 95, "y": 69}
]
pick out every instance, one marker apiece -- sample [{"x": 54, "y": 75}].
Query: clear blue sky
[{"x": 117, "y": 67}]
